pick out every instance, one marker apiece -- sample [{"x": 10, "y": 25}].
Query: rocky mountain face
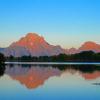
[
  {"x": 35, "y": 45},
  {"x": 87, "y": 46},
  {"x": 72, "y": 51}
]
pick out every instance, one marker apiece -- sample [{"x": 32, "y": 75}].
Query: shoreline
[{"x": 54, "y": 63}]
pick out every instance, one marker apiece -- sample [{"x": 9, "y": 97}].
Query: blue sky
[{"x": 68, "y": 23}]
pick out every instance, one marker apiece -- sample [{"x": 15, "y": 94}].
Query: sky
[{"x": 68, "y": 23}]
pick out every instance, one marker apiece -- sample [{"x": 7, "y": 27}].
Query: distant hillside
[{"x": 35, "y": 45}]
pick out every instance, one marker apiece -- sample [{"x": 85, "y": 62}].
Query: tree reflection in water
[
  {"x": 33, "y": 76},
  {"x": 2, "y": 69}
]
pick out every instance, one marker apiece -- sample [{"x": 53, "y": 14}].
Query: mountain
[
  {"x": 87, "y": 46},
  {"x": 2, "y": 49},
  {"x": 72, "y": 51},
  {"x": 34, "y": 45}
]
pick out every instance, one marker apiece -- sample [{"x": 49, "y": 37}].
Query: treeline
[
  {"x": 85, "y": 56},
  {"x": 2, "y": 58}
]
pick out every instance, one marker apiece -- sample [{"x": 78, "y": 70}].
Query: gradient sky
[{"x": 68, "y": 23}]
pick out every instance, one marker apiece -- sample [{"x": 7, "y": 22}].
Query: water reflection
[
  {"x": 89, "y": 72},
  {"x": 2, "y": 69},
  {"x": 35, "y": 76}
]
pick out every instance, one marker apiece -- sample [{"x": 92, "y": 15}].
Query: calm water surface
[{"x": 50, "y": 82}]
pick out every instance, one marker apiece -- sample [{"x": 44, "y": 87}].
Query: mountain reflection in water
[{"x": 35, "y": 76}]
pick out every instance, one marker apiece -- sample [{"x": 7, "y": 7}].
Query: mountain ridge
[{"x": 35, "y": 45}]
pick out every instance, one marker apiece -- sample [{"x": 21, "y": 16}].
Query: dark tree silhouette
[
  {"x": 85, "y": 56},
  {"x": 2, "y": 58}
]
